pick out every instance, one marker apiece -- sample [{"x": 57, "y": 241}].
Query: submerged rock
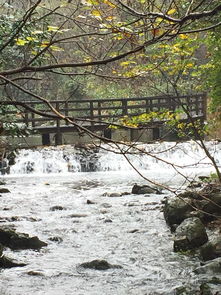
[
  {"x": 99, "y": 265},
  {"x": 10, "y": 238},
  {"x": 190, "y": 234},
  {"x": 57, "y": 208}
]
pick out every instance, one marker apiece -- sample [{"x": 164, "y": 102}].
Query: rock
[
  {"x": 192, "y": 195},
  {"x": 211, "y": 250},
  {"x": 57, "y": 208},
  {"x": 106, "y": 205},
  {"x": 4, "y": 190},
  {"x": 205, "y": 289},
  {"x": 195, "y": 184},
  {"x": 35, "y": 273},
  {"x": 9, "y": 263},
  {"x": 144, "y": 189},
  {"x": 1, "y": 249},
  {"x": 2, "y": 182},
  {"x": 211, "y": 188},
  {"x": 56, "y": 239},
  {"x": 99, "y": 265},
  {"x": 210, "y": 206},
  {"x": 133, "y": 231},
  {"x": 89, "y": 202},
  {"x": 213, "y": 206},
  {"x": 176, "y": 210},
  {"x": 211, "y": 267},
  {"x": 189, "y": 235},
  {"x": 78, "y": 215},
  {"x": 114, "y": 195},
  {"x": 14, "y": 240}
]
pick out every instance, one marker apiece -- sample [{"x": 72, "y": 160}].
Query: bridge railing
[{"x": 98, "y": 110}]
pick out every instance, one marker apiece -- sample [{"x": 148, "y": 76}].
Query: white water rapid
[{"x": 96, "y": 219}]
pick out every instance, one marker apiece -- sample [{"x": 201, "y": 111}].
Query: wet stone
[
  {"x": 176, "y": 210},
  {"x": 189, "y": 235},
  {"x": 133, "y": 231},
  {"x": 99, "y": 265},
  {"x": 35, "y": 273},
  {"x": 89, "y": 202},
  {"x": 57, "y": 208},
  {"x": 114, "y": 195},
  {"x": 10, "y": 238},
  {"x": 4, "y": 190},
  {"x": 108, "y": 221},
  {"x": 77, "y": 215},
  {"x": 106, "y": 205},
  {"x": 144, "y": 189},
  {"x": 6, "y": 262},
  {"x": 56, "y": 239},
  {"x": 210, "y": 267},
  {"x": 211, "y": 249}
]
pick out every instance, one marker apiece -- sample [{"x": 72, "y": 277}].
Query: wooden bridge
[{"x": 98, "y": 114}]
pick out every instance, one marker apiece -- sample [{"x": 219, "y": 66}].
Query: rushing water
[{"x": 129, "y": 230}]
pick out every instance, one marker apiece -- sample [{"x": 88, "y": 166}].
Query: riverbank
[{"x": 194, "y": 218}]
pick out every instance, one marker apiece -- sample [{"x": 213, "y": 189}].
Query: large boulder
[
  {"x": 10, "y": 238},
  {"x": 176, "y": 210},
  {"x": 190, "y": 234},
  {"x": 211, "y": 249}
]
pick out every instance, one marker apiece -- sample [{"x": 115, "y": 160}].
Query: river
[{"x": 82, "y": 217}]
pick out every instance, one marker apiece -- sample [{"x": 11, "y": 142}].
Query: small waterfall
[
  {"x": 109, "y": 158},
  {"x": 45, "y": 160}
]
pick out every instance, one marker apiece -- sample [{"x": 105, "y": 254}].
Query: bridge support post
[{"x": 58, "y": 135}]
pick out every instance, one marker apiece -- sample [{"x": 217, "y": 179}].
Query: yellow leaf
[
  {"x": 52, "y": 29},
  {"x": 109, "y": 3},
  {"x": 171, "y": 11},
  {"x": 37, "y": 32},
  {"x": 126, "y": 63},
  {"x": 189, "y": 65},
  {"x": 21, "y": 42},
  {"x": 56, "y": 48},
  {"x": 44, "y": 44},
  {"x": 89, "y": 2},
  {"x": 183, "y": 36},
  {"x": 110, "y": 18},
  {"x": 31, "y": 39},
  {"x": 96, "y": 13}
]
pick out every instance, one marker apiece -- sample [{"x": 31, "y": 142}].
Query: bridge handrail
[{"x": 97, "y": 109}]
